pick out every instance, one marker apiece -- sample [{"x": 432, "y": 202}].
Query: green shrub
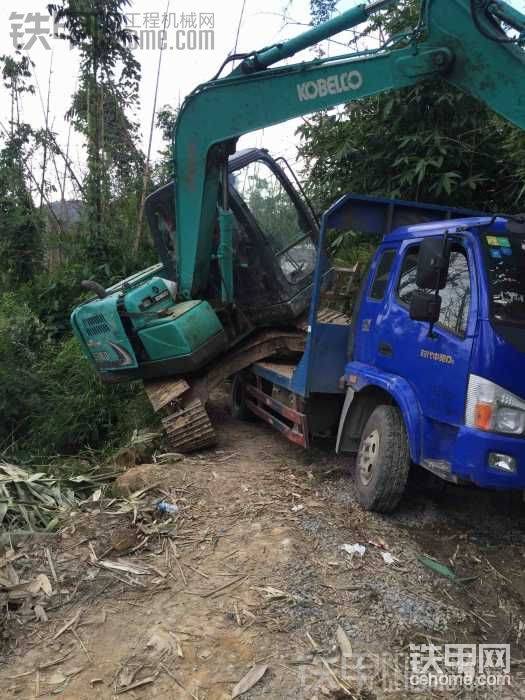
[
  {"x": 75, "y": 410},
  {"x": 22, "y": 337},
  {"x": 51, "y": 401}
]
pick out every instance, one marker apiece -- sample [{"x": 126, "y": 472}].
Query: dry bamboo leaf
[
  {"x": 121, "y": 565},
  {"x": 344, "y": 643},
  {"x": 253, "y": 676},
  {"x": 68, "y": 624},
  {"x": 41, "y": 583},
  {"x": 40, "y": 613},
  {"x": 137, "y": 684}
]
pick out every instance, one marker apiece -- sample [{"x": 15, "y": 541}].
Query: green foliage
[
  {"x": 20, "y": 244},
  {"x": 22, "y": 337},
  {"x": 322, "y": 10},
  {"x": 165, "y": 121},
  {"x": 51, "y": 401},
  {"x": 85, "y": 411},
  {"x": 108, "y": 86}
]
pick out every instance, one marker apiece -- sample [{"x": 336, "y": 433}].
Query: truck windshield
[{"x": 505, "y": 257}]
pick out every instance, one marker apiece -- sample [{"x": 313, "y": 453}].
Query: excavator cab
[{"x": 274, "y": 239}]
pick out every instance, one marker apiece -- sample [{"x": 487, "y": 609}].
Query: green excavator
[{"x": 235, "y": 233}]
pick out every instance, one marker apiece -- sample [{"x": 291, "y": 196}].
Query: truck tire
[
  {"x": 239, "y": 408},
  {"x": 383, "y": 461}
]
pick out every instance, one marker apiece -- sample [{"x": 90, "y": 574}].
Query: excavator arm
[{"x": 460, "y": 41}]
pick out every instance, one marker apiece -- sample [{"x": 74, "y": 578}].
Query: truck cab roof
[
  {"x": 397, "y": 219},
  {"x": 435, "y": 228}
]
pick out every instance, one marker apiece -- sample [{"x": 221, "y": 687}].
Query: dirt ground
[{"x": 251, "y": 573}]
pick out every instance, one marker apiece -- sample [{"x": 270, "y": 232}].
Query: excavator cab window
[
  {"x": 284, "y": 225},
  {"x": 160, "y": 213}
]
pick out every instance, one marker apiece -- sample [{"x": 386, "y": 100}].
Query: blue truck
[{"x": 429, "y": 369}]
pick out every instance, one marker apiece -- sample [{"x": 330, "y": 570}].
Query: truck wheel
[
  {"x": 238, "y": 399},
  {"x": 383, "y": 461}
]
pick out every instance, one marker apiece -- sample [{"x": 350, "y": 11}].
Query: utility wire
[{"x": 239, "y": 26}]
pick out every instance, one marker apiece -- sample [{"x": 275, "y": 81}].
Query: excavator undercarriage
[{"x": 181, "y": 402}]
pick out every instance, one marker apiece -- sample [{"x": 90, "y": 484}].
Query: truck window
[
  {"x": 407, "y": 280},
  {"x": 455, "y": 296},
  {"x": 379, "y": 285},
  {"x": 505, "y": 260}
]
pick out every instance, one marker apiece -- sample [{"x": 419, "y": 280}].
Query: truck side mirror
[
  {"x": 425, "y": 307},
  {"x": 433, "y": 263}
]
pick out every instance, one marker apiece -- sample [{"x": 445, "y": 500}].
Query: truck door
[
  {"x": 370, "y": 307},
  {"x": 437, "y": 364}
]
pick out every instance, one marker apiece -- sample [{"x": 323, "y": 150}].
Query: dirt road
[{"x": 252, "y": 572}]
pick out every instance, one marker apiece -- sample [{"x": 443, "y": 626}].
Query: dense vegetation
[{"x": 50, "y": 400}]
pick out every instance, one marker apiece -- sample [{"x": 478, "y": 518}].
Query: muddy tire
[
  {"x": 238, "y": 404},
  {"x": 383, "y": 461}
]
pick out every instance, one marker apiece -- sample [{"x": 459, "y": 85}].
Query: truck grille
[{"x": 96, "y": 325}]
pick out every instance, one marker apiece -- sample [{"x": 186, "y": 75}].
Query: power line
[{"x": 239, "y": 25}]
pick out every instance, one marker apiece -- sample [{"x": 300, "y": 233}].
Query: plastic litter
[
  {"x": 388, "y": 558},
  {"x": 352, "y": 549},
  {"x": 167, "y": 507}
]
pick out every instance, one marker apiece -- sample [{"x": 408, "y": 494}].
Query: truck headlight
[{"x": 494, "y": 409}]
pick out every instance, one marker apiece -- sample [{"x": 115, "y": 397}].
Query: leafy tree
[
  {"x": 108, "y": 87},
  {"x": 322, "y": 10},
  {"x": 165, "y": 121},
  {"x": 20, "y": 244}
]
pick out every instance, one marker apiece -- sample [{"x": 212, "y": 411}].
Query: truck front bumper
[{"x": 470, "y": 460}]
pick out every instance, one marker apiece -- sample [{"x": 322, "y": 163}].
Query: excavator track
[
  {"x": 190, "y": 428},
  {"x": 181, "y": 402}
]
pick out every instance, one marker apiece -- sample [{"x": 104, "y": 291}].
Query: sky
[{"x": 263, "y": 22}]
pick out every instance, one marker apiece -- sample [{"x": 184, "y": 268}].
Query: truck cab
[{"x": 457, "y": 377}]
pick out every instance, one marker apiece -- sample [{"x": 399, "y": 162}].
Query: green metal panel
[
  {"x": 98, "y": 327},
  {"x": 191, "y": 325},
  {"x": 144, "y": 303},
  {"x": 491, "y": 71},
  {"x": 225, "y": 254}
]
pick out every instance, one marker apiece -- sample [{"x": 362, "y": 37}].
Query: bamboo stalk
[{"x": 46, "y": 124}]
